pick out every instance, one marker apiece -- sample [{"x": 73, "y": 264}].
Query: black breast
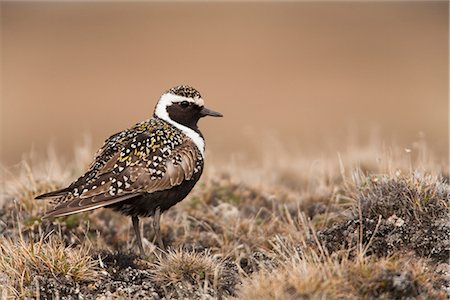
[{"x": 145, "y": 205}]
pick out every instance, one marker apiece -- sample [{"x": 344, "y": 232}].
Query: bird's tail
[{"x": 54, "y": 194}]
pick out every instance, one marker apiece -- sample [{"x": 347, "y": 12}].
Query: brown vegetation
[{"x": 361, "y": 225}]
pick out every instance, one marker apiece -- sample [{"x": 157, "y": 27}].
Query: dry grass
[
  {"x": 367, "y": 223},
  {"x": 21, "y": 261},
  {"x": 364, "y": 278},
  {"x": 189, "y": 274},
  {"x": 419, "y": 197}
]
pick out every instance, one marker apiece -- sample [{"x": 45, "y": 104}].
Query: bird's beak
[{"x": 207, "y": 112}]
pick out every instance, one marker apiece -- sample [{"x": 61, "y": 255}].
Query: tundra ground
[{"x": 368, "y": 223}]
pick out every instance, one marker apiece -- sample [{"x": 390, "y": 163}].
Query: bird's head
[{"x": 184, "y": 105}]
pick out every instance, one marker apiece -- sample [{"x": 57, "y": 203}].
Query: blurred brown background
[{"x": 310, "y": 75}]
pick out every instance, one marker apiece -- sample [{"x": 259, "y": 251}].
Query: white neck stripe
[{"x": 161, "y": 112}]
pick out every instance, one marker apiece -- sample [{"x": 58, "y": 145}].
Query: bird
[{"x": 144, "y": 170}]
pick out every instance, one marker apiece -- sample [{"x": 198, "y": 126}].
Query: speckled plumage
[
  {"x": 146, "y": 169},
  {"x": 185, "y": 91},
  {"x": 134, "y": 161}
]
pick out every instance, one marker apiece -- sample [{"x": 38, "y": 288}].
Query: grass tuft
[
  {"x": 22, "y": 261},
  {"x": 307, "y": 277},
  {"x": 415, "y": 197},
  {"x": 183, "y": 273}
]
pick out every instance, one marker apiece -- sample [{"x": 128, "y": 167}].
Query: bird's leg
[
  {"x": 156, "y": 218},
  {"x": 137, "y": 231}
]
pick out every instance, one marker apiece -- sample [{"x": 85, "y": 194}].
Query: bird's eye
[{"x": 184, "y": 104}]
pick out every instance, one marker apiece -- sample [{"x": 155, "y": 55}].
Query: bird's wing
[
  {"x": 144, "y": 165},
  {"x": 103, "y": 158}
]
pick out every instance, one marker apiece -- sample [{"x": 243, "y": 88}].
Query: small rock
[{"x": 396, "y": 221}]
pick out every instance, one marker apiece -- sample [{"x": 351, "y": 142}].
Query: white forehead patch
[{"x": 161, "y": 112}]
